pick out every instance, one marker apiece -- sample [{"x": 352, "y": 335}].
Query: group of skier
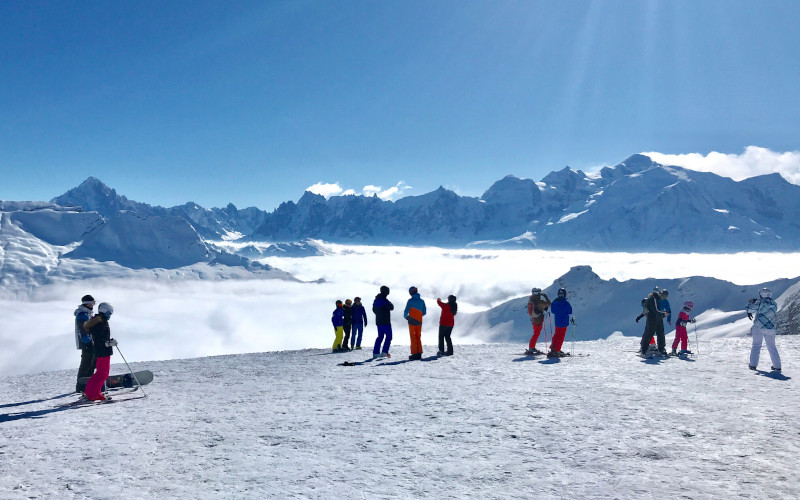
[
  {"x": 348, "y": 316},
  {"x": 656, "y": 308},
  {"x": 539, "y": 304},
  {"x": 93, "y": 339},
  {"x": 344, "y": 315}
]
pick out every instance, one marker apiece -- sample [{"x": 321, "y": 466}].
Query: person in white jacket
[{"x": 765, "y": 311}]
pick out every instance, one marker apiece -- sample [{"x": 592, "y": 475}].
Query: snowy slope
[
  {"x": 604, "y": 307},
  {"x": 484, "y": 423}
]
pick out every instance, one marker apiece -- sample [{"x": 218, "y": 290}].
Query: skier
[
  {"x": 103, "y": 349},
  {"x": 680, "y": 329},
  {"x": 381, "y": 306},
  {"x": 538, "y": 304},
  {"x": 663, "y": 304},
  {"x": 415, "y": 310},
  {"x": 562, "y": 310},
  {"x": 83, "y": 340},
  {"x": 359, "y": 322},
  {"x": 446, "y": 323},
  {"x": 766, "y": 314},
  {"x": 347, "y": 323},
  {"x": 655, "y": 323},
  {"x": 337, "y": 318}
]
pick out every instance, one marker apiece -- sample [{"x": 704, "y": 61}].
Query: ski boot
[
  {"x": 553, "y": 354},
  {"x": 685, "y": 352},
  {"x": 775, "y": 369},
  {"x": 751, "y": 367},
  {"x": 674, "y": 352},
  {"x": 533, "y": 352}
]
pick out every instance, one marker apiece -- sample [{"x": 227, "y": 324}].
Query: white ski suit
[{"x": 766, "y": 315}]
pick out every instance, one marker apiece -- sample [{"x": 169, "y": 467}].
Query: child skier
[
  {"x": 415, "y": 310},
  {"x": 562, "y": 310},
  {"x": 337, "y": 318},
  {"x": 359, "y": 322},
  {"x": 680, "y": 329},
  {"x": 83, "y": 341},
  {"x": 382, "y": 309},
  {"x": 347, "y": 323},
  {"x": 446, "y": 323},
  {"x": 538, "y": 303},
  {"x": 103, "y": 349},
  {"x": 766, "y": 316}
]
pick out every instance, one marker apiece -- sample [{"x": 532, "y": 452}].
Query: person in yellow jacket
[{"x": 415, "y": 310}]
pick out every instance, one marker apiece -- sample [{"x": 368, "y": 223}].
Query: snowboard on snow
[{"x": 119, "y": 381}]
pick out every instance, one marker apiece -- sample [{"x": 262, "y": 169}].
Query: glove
[
  {"x": 86, "y": 339},
  {"x": 111, "y": 343},
  {"x": 693, "y": 320},
  {"x": 638, "y": 318},
  {"x": 669, "y": 323},
  {"x": 750, "y": 316},
  {"x": 572, "y": 320}
]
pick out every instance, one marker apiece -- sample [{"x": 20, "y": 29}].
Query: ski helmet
[
  {"x": 348, "y": 302},
  {"x": 105, "y": 309},
  {"x": 536, "y": 291},
  {"x": 765, "y": 293},
  {"x": 412, "y": 290},
  {"x": 87, "y": 300},
  {"x": 562, "y": 292},
  {"x": 338, "y": 303},
  {"x": 664, "y": 293},
  {"x": 357, "y": 299},
  {"x": 385, "y": 290},
  {"x": 688, "y": 305}
]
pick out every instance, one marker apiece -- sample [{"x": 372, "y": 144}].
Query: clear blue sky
[{"x": 252, "y": 102}]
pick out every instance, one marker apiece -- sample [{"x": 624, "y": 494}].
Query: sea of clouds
[{"x": 157, "y": 319}]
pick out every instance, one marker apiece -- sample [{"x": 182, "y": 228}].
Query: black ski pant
[
  {"x": 88, "y": 362},
  {"x": 444, "y": 336},
  {"x": 347, "y": 327},
  {"x": 655, "y": 326}
]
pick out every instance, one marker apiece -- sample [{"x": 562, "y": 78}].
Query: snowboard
[{"x": 119, "y": 381}]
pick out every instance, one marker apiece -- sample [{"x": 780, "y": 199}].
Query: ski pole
[
  {"x": 696, "y": 343},
  {"x": 546, "y": 344},
  {"x": 573, "y": 335},
  {"x": 132, "y": 372}
]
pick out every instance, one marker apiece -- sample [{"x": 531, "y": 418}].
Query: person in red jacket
[{"x": 446, "y": 323}]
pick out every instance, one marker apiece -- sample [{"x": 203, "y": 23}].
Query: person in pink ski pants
[{"x": 680, "y": 329}]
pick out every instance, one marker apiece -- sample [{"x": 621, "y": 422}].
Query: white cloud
[
  {"x": 325, "y": 189},
  {"x": 334, "y": 189},
  {"x": 752, "y": 162}
]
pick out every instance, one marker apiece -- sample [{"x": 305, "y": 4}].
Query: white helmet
[
  {"x": 765, "y": 293},
  {"x": 105, "y": 308},
  {"x": 536, "y": 290}
]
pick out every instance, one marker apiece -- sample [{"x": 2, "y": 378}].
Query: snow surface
[{"x": 485, "y": 423}]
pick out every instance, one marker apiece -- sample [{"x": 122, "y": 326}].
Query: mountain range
[{"x": 638, "y": 205}]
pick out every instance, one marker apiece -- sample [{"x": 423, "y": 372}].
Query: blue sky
[{"x": 252, "y": 102}]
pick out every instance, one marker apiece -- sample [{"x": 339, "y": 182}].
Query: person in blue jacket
[
  {"x": 337, "y": 318},
  {"x": 562, "y": 310},
  {"x": 663, "y": 304},
  {"x": 382, "y": 308},
  {"x": 359, "y": 322}
]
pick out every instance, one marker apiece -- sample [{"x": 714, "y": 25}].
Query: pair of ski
[
  {"x": 359, "y": 363},
  {"x": 542, "y": 353},
  {"x": 115, "y": 384}
]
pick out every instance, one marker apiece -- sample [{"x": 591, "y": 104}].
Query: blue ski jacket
[
  {"x": 359, "y": 315},
  {"x": 561, "y": 309},
  {"x": 663, "y": 304},
  {"x": 766, "y": 312},
  {"x": 337, "y": 318},
  {"x": 415, "y": 310}
]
